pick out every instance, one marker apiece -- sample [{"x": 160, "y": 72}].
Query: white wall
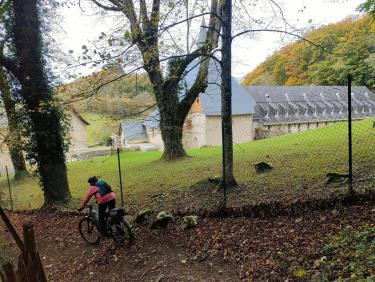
[
  {"x": 194, "y": 133},
  {"x": 154, "y": 137},
  {"x": 77, "y": 132},
  {"x": 243, "y": 130},
  {"x": 5, "y": 161}
]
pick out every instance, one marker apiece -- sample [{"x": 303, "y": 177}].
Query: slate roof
[
  {"x": 283, "y": 104},
  {"x": 133, "y": 130},
  {"x": 242, "y": 103}
]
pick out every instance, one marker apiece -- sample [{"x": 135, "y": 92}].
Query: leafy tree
[
  {"x": 46, "y": 130},
  {"x": 144, "y": 33},
  {"x": 369, "y": 7},
  {"x": 13, "y": 139}
]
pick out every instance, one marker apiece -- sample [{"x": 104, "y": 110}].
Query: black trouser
[{"x": 102, "y": 209}]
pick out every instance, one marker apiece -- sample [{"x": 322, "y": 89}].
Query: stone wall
[{"x": 272, "y": 130}]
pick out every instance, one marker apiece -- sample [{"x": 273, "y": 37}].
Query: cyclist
[{"x": 105, "y": 198}]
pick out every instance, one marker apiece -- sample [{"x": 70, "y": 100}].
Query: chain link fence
[{"x": 297, "y": 148}]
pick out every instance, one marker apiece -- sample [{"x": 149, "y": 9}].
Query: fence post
[
  {"x": 350, "y": 135},
  {"x": 120, "y": 176},
  {"x": 10, "y": 192},
  {"x": 29, "y": 239}
]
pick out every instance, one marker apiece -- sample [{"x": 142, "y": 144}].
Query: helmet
[{"x": 92, "y": 180}]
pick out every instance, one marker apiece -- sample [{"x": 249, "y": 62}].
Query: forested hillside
[
  {"x": 348, "y": 46},
  {"x": 98, "y": 94}
]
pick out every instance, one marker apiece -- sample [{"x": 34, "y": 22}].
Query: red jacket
[{"x": 99, "y": 198}]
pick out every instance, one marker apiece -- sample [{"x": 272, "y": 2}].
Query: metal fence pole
[
  {"x": 350, "y": 135},
  {"x": 10, "y": 192},
  {"x": 120, "y": 177}
]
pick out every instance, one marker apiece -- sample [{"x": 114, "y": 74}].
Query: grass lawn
[
  {"x": 101, "y": 127},
  {"x": 300, "y": 163}
]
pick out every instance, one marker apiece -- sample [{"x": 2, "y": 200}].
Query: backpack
[{"x": 104, "y": 188}]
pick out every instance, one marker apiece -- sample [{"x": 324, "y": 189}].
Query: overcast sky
[{"x": 83, "y": 27}]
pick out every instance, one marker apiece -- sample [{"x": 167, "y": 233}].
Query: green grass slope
[{"x": 300, "y": 163}]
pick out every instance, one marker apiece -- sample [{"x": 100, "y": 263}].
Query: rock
[
  {"x": 143, "y": 216},
  {"x": 333, "y": 177},
  {"x": 263, "y": 167},
  {"x": 189, "y": 221},
  {"x": 162, "y": 220}
]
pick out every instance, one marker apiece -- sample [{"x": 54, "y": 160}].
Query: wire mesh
[{"x": 304, "y": 137}]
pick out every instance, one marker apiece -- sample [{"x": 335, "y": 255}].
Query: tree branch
[
  {"x": 143, "y": 14},
  {"x": 107, "y": 8}
]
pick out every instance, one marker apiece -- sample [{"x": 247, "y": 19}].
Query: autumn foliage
[{"x": 347, "y": 46}]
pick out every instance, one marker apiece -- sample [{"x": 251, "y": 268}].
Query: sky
[{"x": 81, "y": 27}]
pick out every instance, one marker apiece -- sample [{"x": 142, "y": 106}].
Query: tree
[
  {"x": 348, "y": 47},
  {"x": 144, "y": 33},
  {"x": 226, "y": 95},
  {"x": 45, "y": 117},
  {"x": 13, "y": 140},
  {"x": 369, "y": 7}
]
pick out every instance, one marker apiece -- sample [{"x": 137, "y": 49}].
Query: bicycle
[{"x": 117, "y": 227}]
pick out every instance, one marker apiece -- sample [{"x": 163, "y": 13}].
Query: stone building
[
  {"x": 202, "y": 125},
  {"x": 288, "y": 109},
  {"x": 77, "y": 135}
]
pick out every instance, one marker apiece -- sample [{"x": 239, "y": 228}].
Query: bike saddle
[{"x": 117, "y": 212}]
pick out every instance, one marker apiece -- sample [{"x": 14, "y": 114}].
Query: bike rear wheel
[
  {"x": 89, "y": 231},
  {"x": 121, "y": 233}
]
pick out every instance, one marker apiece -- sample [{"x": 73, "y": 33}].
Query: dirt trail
[{"x": 230, "y": 249}]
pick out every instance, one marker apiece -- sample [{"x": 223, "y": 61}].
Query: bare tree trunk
[
  {"x": 172, "y": 137},
  {"x": 47, "y": 132},
  {"x": 226, "y": 96},
  {"x": 14, "y": 141}
]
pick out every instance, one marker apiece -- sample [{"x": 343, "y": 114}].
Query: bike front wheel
[
  {"x": 89, "y": 231},
  {"x": 121, "y": 232}
]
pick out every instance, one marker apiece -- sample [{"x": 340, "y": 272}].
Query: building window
[
  {"x": 299, "y": 127},
  {"x": 306, "y": 112},
  {"x": 363, "y": 110},
  {"x": 314, "y": 112},
  {"x": 268, "y": 127},
  {"x": 266, "y": 114},
  {"x": 370, "y": 110},
  {"x": 289, "y": 129},
  {"x": 317, "y": 124},
  {"x": 189, "y": 124},
  {"x": 340, "y": 112},
  {"x": 286, "y": 113},
  {"x": 308, "y": 125},
  {"x": 324, "y": 111},
  {"x": 297, "y": 112},
  {"x": 277, "y": 113},
  {"x": 356, "y": 110}
]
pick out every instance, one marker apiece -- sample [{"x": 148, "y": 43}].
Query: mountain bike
[{"x": 117, "y": 227}]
